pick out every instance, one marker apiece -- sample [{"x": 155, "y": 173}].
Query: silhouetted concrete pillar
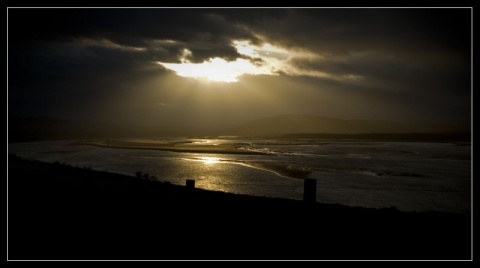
[
  {"x": 310, "y": 190},
  {"x": 190, "y": 184}
]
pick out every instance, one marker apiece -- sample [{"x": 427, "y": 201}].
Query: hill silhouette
[
  {"x": 22, "y": 129},
  {"x": 304, "y": 123},
  {"x": 60, "y": 212}
]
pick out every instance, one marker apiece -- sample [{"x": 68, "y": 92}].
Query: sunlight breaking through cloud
[
  {"x": 265, "y": 59},
  {"x": 216, "y": 69}
]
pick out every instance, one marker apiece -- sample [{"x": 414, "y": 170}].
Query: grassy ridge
[{"x": 61, "y": 212}]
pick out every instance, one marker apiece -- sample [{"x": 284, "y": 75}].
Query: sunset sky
[{"x": 223, "y": 67}]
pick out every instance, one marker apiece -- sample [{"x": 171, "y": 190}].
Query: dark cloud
[
  {"x": 201, "y": 31},
  {"x": 345, "y": 30},
  {"x": 412, "y": 62}
]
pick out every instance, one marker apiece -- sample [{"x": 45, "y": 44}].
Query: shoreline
[{"x": 170, "y": 147}]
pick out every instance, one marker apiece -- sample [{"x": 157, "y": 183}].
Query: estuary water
[{"x": 406, "y": 175}]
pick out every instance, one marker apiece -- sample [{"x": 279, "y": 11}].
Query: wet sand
[{"x": 172, "y": 146}]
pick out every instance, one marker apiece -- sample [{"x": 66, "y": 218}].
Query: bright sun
[{"x": 216, "y": 69}]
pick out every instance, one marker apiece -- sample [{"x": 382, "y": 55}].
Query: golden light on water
[{"x": 210, "y": 160}]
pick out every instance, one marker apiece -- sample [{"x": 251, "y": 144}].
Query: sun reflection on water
[{"x": 209, "y": 160}]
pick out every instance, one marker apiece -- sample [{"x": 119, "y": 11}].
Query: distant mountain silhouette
[
  {"x": 304, "y": 123},
  {"x": 22, "y": 129}
]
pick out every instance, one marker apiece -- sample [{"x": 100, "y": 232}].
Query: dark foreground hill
[{"x": 60, "y": 212}]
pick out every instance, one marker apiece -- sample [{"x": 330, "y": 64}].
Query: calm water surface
[{"x": 408, "y": 176}]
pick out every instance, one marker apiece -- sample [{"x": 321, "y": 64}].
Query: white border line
[{"x": 471, "y": 111}]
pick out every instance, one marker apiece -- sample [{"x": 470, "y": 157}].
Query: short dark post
[
  {"x": 310, "y": 190},
  {"x": 190, "y": 184}
]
